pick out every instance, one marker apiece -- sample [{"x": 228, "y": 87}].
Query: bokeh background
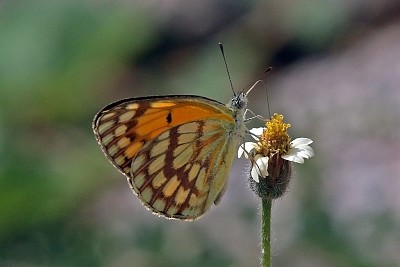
[{"x": 336, "y": 79}]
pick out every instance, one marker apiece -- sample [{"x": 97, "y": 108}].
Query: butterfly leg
[{"x": 254, "y": 116}]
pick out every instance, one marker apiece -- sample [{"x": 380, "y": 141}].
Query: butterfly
[{"x": 176, "y": 151}]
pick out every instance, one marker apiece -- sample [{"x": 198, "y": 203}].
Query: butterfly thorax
[{"x": 238, "y": 105}]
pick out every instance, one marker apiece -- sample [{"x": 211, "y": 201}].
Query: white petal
[
  {"x": 306, "y": 152},
  {"x": 304, "y": 149},
  {"x": 256, "y": 132},
  {"x": 299, "y": 150},
  {"x": 293, "y": 155},
  {"x": 301, "y": 141},
  {"x": 248, "y": 147},
  {"x": 240, "y": 151},
  {"x": 260, "y": 168},
  {"x": 262, "y": 164}
]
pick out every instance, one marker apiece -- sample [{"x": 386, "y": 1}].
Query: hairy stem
[{"x": 266, "y": 232}]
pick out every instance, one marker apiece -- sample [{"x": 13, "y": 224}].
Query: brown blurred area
[{"x": 335, "y": 78}]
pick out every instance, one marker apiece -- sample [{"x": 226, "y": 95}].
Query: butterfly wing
[
  {"x": 184, "y": 170},
  {"x": 175, "y": 150}
]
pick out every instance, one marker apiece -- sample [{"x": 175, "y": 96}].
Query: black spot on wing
[{"x": 169, "y": 118}]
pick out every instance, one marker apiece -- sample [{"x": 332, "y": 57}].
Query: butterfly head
[{"x": 239, "y": 101}]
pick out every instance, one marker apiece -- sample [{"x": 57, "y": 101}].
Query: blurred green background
[{"x": 336, "y": 79}]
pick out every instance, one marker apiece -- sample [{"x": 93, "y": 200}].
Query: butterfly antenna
[
  {"x": 221, "y": 47},
  {"x": 266, "y": 90}
]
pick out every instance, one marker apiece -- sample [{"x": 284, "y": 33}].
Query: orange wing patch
[{"x": 123, "y": 128}]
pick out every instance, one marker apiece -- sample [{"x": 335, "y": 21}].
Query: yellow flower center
[{"x": 275, "y": 139}]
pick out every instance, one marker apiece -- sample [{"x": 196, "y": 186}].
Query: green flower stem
[{"x": 266, "y": 232}]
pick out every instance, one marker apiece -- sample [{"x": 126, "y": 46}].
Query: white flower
[{"x": 299, "y": 150}]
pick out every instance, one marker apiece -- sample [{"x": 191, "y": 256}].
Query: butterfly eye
[{"x": 239, "y": 101}]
